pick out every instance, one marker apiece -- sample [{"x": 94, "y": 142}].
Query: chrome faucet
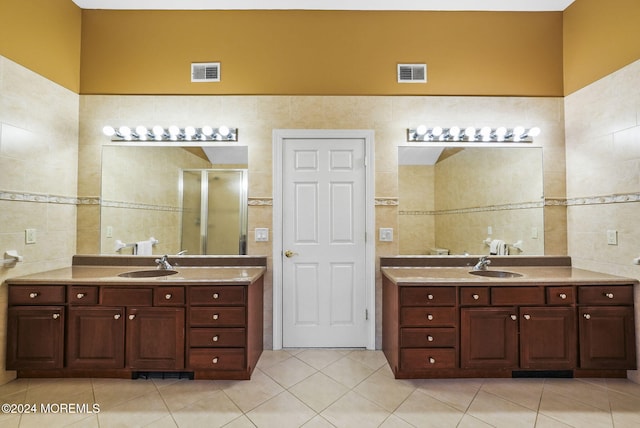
[
  {"x": 482, "y": 263},
  {"x": 163, "y": 263}
]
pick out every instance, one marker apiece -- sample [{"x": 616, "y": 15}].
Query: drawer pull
[
  {"x": 430, "y": 296},
  {"x": 116, "y": 317},
  {"x": 216, "y": 296},
  {"x": 432, "y": 360},
  {"x": 609, "y": 295},
  {"x": 430, "y": 317},
  {"x": 587, "y": 316},
  {"x": 513, "y": 317},
  {"x": 563, "y": 296},
  {"x": 215, "y": 338},
  {"x": 475, "y": 296},
  {"x": 168, "y": 296},
  {"x": 33, "y": 295},
  {"x": 80, "y": 295},
  {"x": 527, "y": 317},
  {"x": 56, "y": 316},
  {"x": 215, "y": 360},
  {"x": 132, "y": 316},
  {"x": 215, "y": 316},
  {"x": 430, "y": 338}
]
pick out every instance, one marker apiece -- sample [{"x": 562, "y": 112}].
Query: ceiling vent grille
[
  {"x": 205, "y": 72},
  {"x": 412, "y": 73}
]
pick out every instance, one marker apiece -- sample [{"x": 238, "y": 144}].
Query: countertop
[
  {"x": 99, "y": 275},
  {"x": 531, "y": 275}
]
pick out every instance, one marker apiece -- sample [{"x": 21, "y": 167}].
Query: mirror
[
  {"x": 144, "y": 196},
  {"x": 457, "y": 200}
]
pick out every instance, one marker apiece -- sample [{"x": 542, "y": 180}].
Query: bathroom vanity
[
  {"x": 522, "y": 316},
  {"x": 121, "y": 317}
]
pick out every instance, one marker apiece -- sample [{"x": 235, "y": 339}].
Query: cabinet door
[
  {"x": 489, "y": 338},
  {"x": 35, "y": 337},
  {"x": 548, "y": 338},
  {"x": 607, "y": 338},
  {"x": 95, "y": 338},
  {"x": 155, "y": 338}
]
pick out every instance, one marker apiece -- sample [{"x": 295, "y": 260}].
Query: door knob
[{"x": 289, "y": 253}]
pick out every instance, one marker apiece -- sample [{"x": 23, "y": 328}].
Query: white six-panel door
[{"x": 324, "y": 256}]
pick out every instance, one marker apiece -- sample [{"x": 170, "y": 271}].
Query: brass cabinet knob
[{"x": 289, "y": 254}]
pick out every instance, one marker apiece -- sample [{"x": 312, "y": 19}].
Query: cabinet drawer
[
  {"x": 517, "y": 296},
  {"x": 217, "y": 295},
  {"x": 81, "y": 295},
  {"x": 427, "y": 296},
  {"x": 428, "y": 337},
  {"x": 217, "y": 337},
  {"x": 168, "y": 296},
  {"x": 36, "y": 294},
  {"x": 217, "y": 316},
  {"x": 217, "y": 359},
  {"x": 427, "y": 359},
  {"x": 470, "y": 296},
  {"x": 606, "y": 295},
  {"x": 125, "y": 296},
  {"x": 428, "y": 317},
  {"x": 560, "y": 296}
]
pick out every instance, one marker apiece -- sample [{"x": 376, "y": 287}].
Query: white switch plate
[
  {"x": 612, "y": 237},
  {"x": 262, "y": 234},
  {"x": 534, "y": 233},
  {"x": 29, "y": 236},
  {"x": 386, "y": 234},
  {"x": 109, "y": 231}
]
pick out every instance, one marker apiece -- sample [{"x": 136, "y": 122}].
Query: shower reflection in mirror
[{"x": 214, "y": 211}]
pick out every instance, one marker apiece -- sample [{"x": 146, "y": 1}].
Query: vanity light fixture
[
  {"x": 172, "y": 133},
  {"x": 517, "y": 134}
]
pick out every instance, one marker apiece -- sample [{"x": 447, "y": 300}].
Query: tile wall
[
  {"x": 603, "y": 175},
  {"x": 257, "y": 116},
  {"x": 38, "y": 176}
]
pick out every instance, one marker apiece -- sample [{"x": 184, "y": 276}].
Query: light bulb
[
  {"x": 455, "y": 132},
  {"x": 141, "y": 131},
  {"x": 125, "y": 131},
  {"x": 109, "y": 131},
  {"x": 437, "y": 131},
  {"x": 158, "y": 132},
  {"x": 518, "y": 131},
  {"x": 421, "y": 130},
  {"x": 174, "y": 131},
  {"x": 470, "y": 132},
  {"x": 189, "y": 131},
  {"x": 223, "y": 130},
  {"x": 534, "y": 132},
  {"x": 207, "y": 130}
]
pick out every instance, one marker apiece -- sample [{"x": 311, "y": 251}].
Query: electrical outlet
[
  {"x": 386, "y": 234},
  {"x": 261, "y": 234},
  {"x": 612, "y": 237},
  {"x": 29, "y": 236}
]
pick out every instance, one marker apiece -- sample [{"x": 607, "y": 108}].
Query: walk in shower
[{"x": 214, "y": 211}]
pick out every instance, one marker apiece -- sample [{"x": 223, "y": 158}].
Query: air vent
[
  {"x": 412, "y": 73},
  {"x": 205, "y": 72}
]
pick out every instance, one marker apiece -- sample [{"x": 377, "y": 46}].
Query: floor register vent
[
  {"x": 205, "y": 72},
  {"x": 412, "y": 73}
]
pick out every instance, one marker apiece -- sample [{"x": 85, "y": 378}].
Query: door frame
[{"x": 279, "y": 136}]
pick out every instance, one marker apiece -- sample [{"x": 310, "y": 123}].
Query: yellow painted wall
[
  {"x": 44, "y": 36},
  {"x": 322, "y": 52},
  {"x": 600, "y": 37}
]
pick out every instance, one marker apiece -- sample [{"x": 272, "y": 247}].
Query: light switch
[
  {"x": 612, "y": 237},
  {"x": 386, "y": 234},
  {"x": 262, "y": 234}
]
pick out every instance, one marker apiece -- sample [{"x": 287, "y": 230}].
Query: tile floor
[{"x": 327, "y": 388}]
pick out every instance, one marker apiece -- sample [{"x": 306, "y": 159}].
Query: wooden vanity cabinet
[
  {"x": 495, "y": 330},
  {"x": 224, "y": 330},
  {"x": 607, "y": 334},
  {"x": 116, "y": 327},
  {"x": 35, "y": 327}
]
